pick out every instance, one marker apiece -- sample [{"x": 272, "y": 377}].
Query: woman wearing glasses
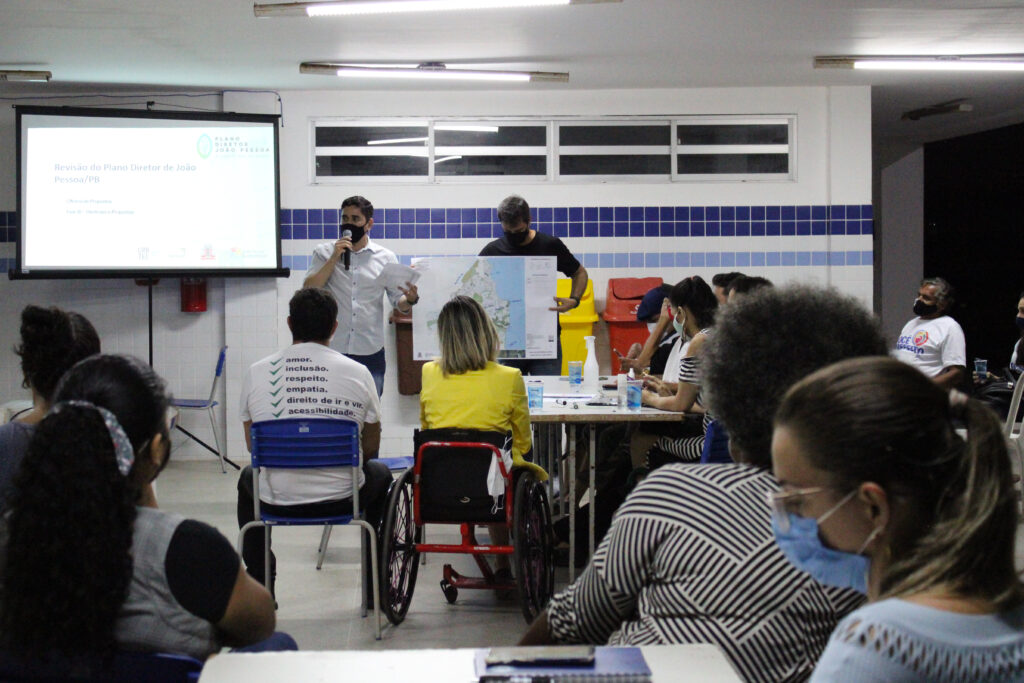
[{"x": 895, "y": 503}]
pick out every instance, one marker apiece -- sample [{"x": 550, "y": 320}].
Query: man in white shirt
[
  {"x": 933, "y": 342},
  {"x": 309, "y": 379},
  {"x": 349, "y": 268}
]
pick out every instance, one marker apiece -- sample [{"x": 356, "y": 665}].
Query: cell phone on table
[{"x": 550, "y": 655}]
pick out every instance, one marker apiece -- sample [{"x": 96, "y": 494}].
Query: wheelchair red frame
[{"x": 527, "y": 516}]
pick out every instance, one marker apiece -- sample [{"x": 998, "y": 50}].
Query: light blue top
[{"x": 895, "y": 640}]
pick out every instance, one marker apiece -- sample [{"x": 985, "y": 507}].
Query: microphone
[{"x": 347, "y": 233}]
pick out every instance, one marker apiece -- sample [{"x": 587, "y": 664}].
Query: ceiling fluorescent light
[
  {"x": 28, "y": 76},
  {"x": 355, "y": 7},
  {"x": 1007, "y": 62},
  {"x": 395, "y": 141},
  {"x": 430, "y": 71}
]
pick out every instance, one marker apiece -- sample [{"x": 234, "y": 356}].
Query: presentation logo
[
  {"x": 921, "y": 338},
  {"x": 204, "y": 146}
]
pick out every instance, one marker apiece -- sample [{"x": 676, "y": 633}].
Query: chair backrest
[
  {"x": 218, "y": 373},
  {"x": 716, "y": 444},
  {"x": 125, "y": 667},
  {"x": 451, "y": 475},
  {"x": 305, "y": 442},
  {"x": 1011, "y": 415}
]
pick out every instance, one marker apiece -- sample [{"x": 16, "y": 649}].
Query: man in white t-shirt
[
  {"x": 310, "y": 379},
  {"x": 933, "y": 342}
]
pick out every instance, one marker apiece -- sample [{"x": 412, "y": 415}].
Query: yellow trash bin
[{"x": 576, "y": 324}]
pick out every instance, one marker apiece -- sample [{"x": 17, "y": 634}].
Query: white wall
[
  {"x": 901, "y": 235},
  {"x": 833, "y": 167}
]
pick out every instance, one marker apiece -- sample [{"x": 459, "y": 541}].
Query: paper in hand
[{"x": 395, "y": 275}]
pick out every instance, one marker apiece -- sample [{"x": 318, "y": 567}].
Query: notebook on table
[{"x": 562, "y": 664}]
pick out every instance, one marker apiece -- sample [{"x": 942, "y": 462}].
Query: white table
[
  {"x": 667, "y": 663},
  {"x": 562, "y": 406}
]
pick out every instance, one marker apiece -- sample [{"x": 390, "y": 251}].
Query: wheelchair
[{"x": 447, "y": 485}]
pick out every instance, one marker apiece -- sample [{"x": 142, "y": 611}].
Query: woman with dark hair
[
  {"x": 880, "y": 494},
  {"x": 465, "y": 388},
  {"x": 91, "y": 565},
  {"x": 52, "y": 341},
  {"x": 693, "y": 306}
]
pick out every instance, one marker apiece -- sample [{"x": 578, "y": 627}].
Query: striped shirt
[
  {"x": 689, "y": 449},
  {"x": 690, "y": 558}
]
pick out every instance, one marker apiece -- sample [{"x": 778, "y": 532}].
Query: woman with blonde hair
[
  {"x": 465, "y": 388},
  {"x": 880, "y": 493}
]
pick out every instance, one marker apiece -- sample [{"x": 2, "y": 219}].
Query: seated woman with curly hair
[
  {"x": 91, "y": 565},
  {"x": 52, "y": 341},
  {"x": 465, "y": 388}
]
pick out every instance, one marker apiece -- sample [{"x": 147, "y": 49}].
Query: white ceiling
[{"x": 109, "y": 45}]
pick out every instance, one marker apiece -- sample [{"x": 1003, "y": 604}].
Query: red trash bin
[{"x": 624, "y": 295}]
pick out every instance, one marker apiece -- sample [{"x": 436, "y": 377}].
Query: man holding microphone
[{"x": 348, "y": 268}]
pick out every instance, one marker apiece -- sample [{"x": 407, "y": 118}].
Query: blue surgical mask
[
  {"x": 802, "y": 546},
  {"x": 678, "y": 326}
]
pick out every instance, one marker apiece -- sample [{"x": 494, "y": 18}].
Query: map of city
[{"x": 500, "y": 284}]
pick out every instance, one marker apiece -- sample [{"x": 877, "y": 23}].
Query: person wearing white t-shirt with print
[
  {"x": 933, "y": 342},
  {"x": 310, "y": 379}
]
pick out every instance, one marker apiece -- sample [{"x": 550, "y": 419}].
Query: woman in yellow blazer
[{"x": 465, "y": 388}]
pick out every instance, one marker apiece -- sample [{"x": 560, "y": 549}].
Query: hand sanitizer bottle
[{"x": 591, "y": 373}]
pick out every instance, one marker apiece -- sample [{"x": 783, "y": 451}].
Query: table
[
  {"x": 561, "y": 406},
  {"x": 690, "y": 662}
]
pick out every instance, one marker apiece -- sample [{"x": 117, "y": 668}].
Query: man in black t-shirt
[{"x": 522, "y": 240}]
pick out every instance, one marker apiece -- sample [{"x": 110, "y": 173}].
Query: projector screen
[{"x": 128, "y": 193}]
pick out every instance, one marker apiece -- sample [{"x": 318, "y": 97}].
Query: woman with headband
[
  {"x": 92, "y": 566},
  {"x": 880, "y": 494}
]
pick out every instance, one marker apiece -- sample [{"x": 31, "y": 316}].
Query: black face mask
[
  {"x": 1020, "y": 324},
  {"x": 516, "y": 239},
  {"x": 922, "y": 309},
  {"x": 357, "y": 231}
]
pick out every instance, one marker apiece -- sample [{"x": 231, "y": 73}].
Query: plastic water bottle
[{"x": 591, "y": 373}]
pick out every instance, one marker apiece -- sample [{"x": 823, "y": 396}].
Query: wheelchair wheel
[
  {"x": 532, "y": 543},
  {"x": 399, "y": 557}
]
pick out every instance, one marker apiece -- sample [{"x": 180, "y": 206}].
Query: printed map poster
[{"x": 516, "y": 292}]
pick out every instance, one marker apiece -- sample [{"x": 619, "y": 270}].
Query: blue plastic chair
[
  {"x": 300, "y": 443},
  {"x": 208, "y": 404},
  {"x": 716, "y": 445},
  {"x": 126, "y": 667}
]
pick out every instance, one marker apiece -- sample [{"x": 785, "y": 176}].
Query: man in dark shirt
[{"x": 522, "y": 240}]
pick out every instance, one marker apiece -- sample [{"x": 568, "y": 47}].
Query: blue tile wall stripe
[
  {"x": 607, "y": 221},
  {"x": 622, "y": 221}
]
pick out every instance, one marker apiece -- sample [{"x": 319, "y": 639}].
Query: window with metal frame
[
  {"x": 371, "y": 149},
  {"x": 481, "y": 149},
  {"x": 652, "y": 149},
  {"x": 614, "y": 148},
  {"x": 723, "y": 148}
]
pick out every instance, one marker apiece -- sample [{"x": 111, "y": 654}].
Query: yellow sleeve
[
  {"x": 521, "y": 434},
  {"x": 426, "y": 378}
]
